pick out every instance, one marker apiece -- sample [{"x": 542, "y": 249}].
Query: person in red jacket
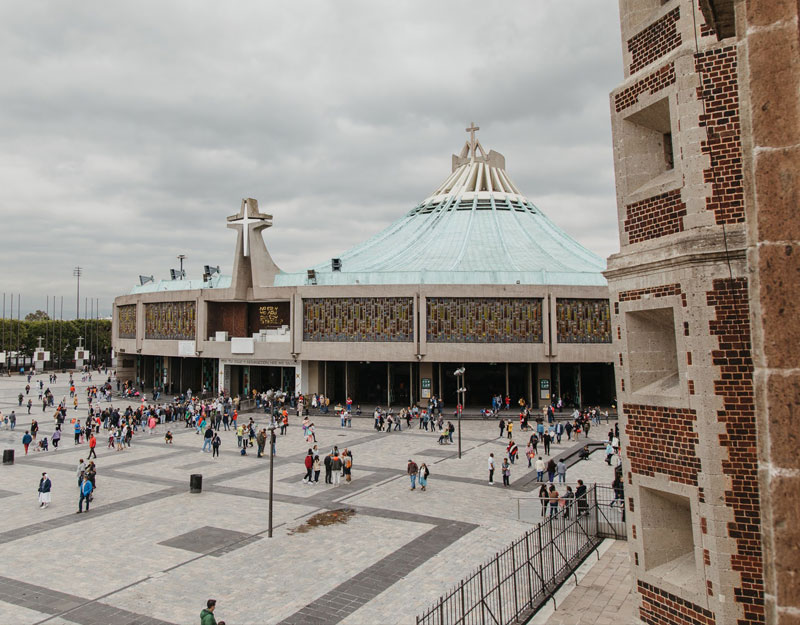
[
  {"x": 309, "y": 463},
  {"x": 92, "y": 445}
]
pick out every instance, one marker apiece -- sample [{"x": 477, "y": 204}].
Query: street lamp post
[
  {"x": 272, "y": 427},
  {"x": 460, "y": 398}
]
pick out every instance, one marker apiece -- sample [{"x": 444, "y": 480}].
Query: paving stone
[{"x": 368, "y": 570}]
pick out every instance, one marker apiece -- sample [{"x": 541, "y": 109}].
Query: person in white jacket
[{"x": 539, "y": 469}]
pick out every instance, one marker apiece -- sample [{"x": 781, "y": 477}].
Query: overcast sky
[{"x": 130, "y": 130}]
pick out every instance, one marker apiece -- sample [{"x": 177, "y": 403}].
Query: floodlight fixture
[
  {"x": 210, "y": 271},
  {"x": 312, "y": 276},
  {"x": 145, "y": 279},
  {"x": 177, "y": 274}
]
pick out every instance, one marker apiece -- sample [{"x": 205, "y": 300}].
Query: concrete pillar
[
  {"x": 201, "y": 321},
  {"x": 506, "y": 379},
  {"x": 311, "y": 378},
  {"x": 425, "y": 381},
  {"x": 530, "y": 394},
  {"x": 411, "y": 383},
  {"x": 544, "y": 380},
  {"x": 302, "y": 377},
  {"x": 388, "y": 384},
  {"x": 346, "y": 381},
  {"x": 223, "y": 376},
  {"x": 139, "y": 325}
]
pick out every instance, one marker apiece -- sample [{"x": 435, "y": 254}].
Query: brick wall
[
  {"x": 655, "y": 41},
  {"x": 731, "y": 326},
  {"x": 662, "y": 608},
  {"x": 652, "y": 83},
  {"x": 720, "y": 93},
  {"x": 656, "y": 291},
  {"x": 655, "y": 217},
  {"x": 662, "y": 440}
]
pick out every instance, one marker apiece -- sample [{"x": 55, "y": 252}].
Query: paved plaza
[{"x": 149, "y": 552}]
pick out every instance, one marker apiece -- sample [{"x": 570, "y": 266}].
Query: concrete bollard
[
  {"x": 8, "y": 456},
  {"x": 195, "y": 483}
]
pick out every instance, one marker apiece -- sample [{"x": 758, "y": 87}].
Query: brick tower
[{"x": 681, "y": 320}]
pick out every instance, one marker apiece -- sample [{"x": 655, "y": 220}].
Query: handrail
[{"x": 513, "y": 585}]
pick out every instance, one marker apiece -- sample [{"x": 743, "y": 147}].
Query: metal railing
[
  {"x": 609, "y": 515},
  {"x": 518, "y": 581}
]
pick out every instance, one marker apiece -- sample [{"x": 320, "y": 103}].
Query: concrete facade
[
  {"x": 526, "y": 334},
  {"x": 694, "y": 298}
]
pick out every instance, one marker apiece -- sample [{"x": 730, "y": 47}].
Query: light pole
[
  {"x": 460, "y": 396},
  {"x": 271, "y": 427},
  {"x": 77, "y": 273}
]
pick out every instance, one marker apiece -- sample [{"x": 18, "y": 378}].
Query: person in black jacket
[
  {"x": 580, "y": 496},
  {"x": 551, "y": 470}
]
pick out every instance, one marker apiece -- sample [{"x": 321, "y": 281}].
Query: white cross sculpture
[
  {"x": 249, "y": 216},
  {"x": 472, "y": 144}
]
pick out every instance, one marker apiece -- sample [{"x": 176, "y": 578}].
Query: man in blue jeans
[
  {"x": 412, "y": 471},
  {"x": 561, "y": 469},
  {"x": 209, "y": 434},
  {"x": 86, "y": 491}
]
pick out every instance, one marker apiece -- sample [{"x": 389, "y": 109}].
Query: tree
[{"x": 39, "y": 315}]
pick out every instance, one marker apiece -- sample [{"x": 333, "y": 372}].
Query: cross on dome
[
  {"x": 473, "y": 146},
  {"x": 248, "y": 217},
  {"x": 472, "y": 143}
]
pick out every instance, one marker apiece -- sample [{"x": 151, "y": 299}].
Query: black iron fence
[{"x": 518, "y": 581}]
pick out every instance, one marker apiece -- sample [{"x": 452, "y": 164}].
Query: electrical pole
[
  {"x": 77, "y": 273},
  {"x": 19, "y": 324},
  {"x": 271, "y": 461},
  {"x": 60, "y": 333},
  {"x": 460, "y": 397}
]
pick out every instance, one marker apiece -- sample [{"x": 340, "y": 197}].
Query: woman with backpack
[{"x": 347, "y": 462}]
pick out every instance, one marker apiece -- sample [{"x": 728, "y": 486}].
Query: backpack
[
  {"x": 86, "y": 488},
  {"x": 348, "y": 463},
  {"x": 243, "y": 452}
]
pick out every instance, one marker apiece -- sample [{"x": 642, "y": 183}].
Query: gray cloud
[{"x": 129, "y": 131}]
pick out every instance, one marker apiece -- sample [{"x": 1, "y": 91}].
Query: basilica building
[{"x": 475, "y": 275}]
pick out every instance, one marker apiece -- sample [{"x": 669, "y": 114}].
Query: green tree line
[{"x": 96, "y": 335}]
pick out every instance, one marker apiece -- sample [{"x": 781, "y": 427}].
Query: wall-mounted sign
[
  {"x": 257, "y": 361},
  {"x": 544, "y": 385},
  {"x": 426, "y": 383},
  {"x": 186, "y": 348}
]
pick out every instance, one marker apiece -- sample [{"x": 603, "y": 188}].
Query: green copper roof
[{"x": 476, "y": 228}]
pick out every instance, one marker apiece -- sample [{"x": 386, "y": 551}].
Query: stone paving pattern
[
  {"x": 149, "y": 552},
  {"x": 603, "y": 596}
]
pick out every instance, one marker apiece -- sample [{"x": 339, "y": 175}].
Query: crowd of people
[{"x": 211, "y": 416}]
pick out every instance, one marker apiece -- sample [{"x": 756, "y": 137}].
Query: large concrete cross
[
  {"x": 471, "y": 130},
  {"x": 249, "y": 216}
]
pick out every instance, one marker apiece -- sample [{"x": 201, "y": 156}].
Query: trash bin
[
  {"x": 196, "y": 483},
  {"x": 8, "y": 456}
]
